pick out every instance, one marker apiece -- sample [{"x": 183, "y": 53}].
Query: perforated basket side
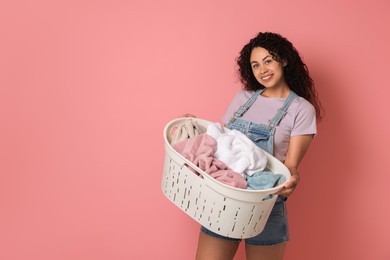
[{"x": 222, "y": 214}]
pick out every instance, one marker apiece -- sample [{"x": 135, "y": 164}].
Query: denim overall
[{"x": 276, "y": 229}]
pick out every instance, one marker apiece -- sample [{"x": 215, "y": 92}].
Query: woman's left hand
[{"x": 289, "y": 186}]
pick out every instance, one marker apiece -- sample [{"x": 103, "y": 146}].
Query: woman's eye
[
  {"x": 268, "y": 61},
  {"x": 255, "y": 66}
]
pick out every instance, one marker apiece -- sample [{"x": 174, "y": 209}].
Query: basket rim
[{"x": 176, "y": 121}]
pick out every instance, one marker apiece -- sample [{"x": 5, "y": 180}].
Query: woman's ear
[{"x": 284, "y": 63}]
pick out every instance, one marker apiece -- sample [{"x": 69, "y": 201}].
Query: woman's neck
[{"x": 281, "y": 92}]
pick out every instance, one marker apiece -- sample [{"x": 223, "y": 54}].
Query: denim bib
[{"x": 261, "y": 134}]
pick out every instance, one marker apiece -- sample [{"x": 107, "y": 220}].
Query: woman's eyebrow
[
  {"x": 262, "y": 59},
  {"x": 266, "y": 57}
]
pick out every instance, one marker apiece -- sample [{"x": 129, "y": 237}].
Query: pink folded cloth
[
  {"x": 231, "y": 178},
  {"x": 200, "y": 151}
]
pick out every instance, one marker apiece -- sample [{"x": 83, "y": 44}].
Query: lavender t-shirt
[{"x": 299, "y": 120}]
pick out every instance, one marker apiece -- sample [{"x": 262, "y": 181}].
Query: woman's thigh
[
  {"x": 274, "y": 252},
  {"x": 212, "y": 248}
]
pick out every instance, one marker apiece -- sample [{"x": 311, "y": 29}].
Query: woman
[{"x": 278, "y": 109}]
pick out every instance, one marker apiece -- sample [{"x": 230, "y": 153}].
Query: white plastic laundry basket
[{"x": 225, "y": 210}]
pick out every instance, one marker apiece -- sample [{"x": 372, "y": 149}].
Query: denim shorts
[{"x": 275, "y": 230}]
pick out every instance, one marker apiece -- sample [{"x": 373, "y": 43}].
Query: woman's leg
[
  {"x": 212, "y": 248},
  {"x": 275, "y": 252}
]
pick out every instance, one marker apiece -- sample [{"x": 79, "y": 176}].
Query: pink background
[{"x": 86, "y": 88}]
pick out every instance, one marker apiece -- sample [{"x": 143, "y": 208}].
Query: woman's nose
[{"x": 263, "y": 70}]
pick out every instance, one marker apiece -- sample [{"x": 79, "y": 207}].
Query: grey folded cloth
[
  {"x": 264, "y": 180},
  {"x": 188, "y": 129}
]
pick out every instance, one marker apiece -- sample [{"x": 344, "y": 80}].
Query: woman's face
[{"x": 266, "y": 70}]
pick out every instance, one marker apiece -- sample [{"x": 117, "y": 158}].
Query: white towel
[{"x": 237, "y": 151}]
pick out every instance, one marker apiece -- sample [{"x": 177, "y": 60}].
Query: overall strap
[
  {"x": 282, "y": 111},
  {"x": 241, "y": 111}
]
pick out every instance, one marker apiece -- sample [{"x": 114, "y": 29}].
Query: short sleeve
[{"x": 305, "y": 120}]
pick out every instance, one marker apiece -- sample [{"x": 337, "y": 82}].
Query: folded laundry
[
  {"x": 200, "y": 150},
  {"x": 187, "y": 129},
  {"x": 237, "y": 151},
  {"x": 230, "y": 177},
  {"x": 264, "y": 180}
]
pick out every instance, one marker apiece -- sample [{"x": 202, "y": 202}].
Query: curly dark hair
[{"x": 295, "y": 72}]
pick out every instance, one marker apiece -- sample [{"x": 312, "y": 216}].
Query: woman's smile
[{"x": 266, "y": 77}]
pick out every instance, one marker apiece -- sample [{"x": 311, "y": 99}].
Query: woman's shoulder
[
  {"x": 303, "y": 108},
  {"x": 303, "y": 104},
  {"x": 243, "y": 95}
]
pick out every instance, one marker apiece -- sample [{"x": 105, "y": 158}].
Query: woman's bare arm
[{"x": 295, "y": 153}]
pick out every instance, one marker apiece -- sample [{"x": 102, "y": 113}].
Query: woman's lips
[{"x": 266, "y": 78}]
